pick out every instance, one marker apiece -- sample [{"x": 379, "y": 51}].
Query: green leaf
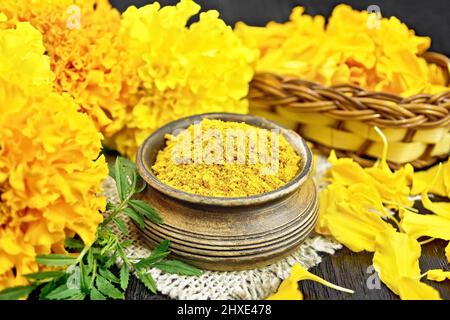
[
  {"x": 77, "y": 296},
  {"x": 16, "y": 293},
  {"x": 44, "y": 275},
  {"x": 158, "y": 253},
  {"x": 90, "y": 259},
  {"x": 125, "y": 173},
  {"x": 136, "y": 217},
  {"x": 111, "y": 260},
  {"x": 85, "y": 279},
  {"x": 151, "y": 260},
  {"x": 112, "y": 171},
  {"x": 162, "y": 247},
  {"x": 55, "y": 260},
  {"x": 110, "y": 206},
  {"x": 73, "y": 243},
  {"x": 108, "y": 275},
  {"x": 177, "y": 267},
  {"x": 148, "y": 281},
  {"x": 48, "y": 288},
  {"x": 146, "y": 210},
  {"x": 107, "y": 289},
  {"x": 96, "y": 295},
  {"x": 121, "y": 225},
  {"x": 126, "y": 243},
  {"x": 124, "y": 276},
  {"x": 62, "y": 292}
]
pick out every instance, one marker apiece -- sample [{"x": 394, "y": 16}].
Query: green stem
[
  {"x": 117, "y": 210},
  {"x": 94, "y": 274},
  {"x": 81, "y": 255}
]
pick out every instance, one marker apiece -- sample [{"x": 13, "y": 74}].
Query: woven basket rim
[{"x": 351, "y": 102}]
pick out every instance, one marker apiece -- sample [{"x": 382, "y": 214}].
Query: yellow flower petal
[
  {"x": 393, "y": 186},
  {"x": 289, "y": 290},
  {"x": 419, "y": 225},
  {"x": 354, "y": 224},
  {"x": 396, "y": 257},
  {"x": 435, "y": 180},
  {"x": 346, "y": 171},
  {"x": 447, "y": 252},
  {"x": 438, "y": 275},
  {"x": 413, "y": 289},
  {"x": 440, "y": 208}
]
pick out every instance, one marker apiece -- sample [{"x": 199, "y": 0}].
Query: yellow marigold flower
[
  {"x": 352, "y": 48},
  {"x": 48, "y": 180},
  {"x": 182, "y": 70},
  {"x": 21, "y": 52},
  {"x": 87, "y": 57}
]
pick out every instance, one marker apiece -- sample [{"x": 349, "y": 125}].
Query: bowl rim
[{"x": 296, "y": 141}]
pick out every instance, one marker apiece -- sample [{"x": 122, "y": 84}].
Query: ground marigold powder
[{"x": 226, "y": 159}]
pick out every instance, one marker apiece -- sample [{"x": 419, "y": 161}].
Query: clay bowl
[{"x": 229, "y": 233}]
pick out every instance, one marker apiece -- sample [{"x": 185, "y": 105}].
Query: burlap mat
[{"x": 249, "y": 284}]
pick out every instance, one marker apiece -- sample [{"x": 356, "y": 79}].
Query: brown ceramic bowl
[{"x": 230, "y": 233}]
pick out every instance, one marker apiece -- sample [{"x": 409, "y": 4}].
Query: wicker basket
[{"x": 343, "y": 117}]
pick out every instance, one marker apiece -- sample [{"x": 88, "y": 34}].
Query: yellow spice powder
[{"x": 226, "y": 159}]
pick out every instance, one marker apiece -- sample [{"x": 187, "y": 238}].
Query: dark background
[{"x": 427, "y": 17}]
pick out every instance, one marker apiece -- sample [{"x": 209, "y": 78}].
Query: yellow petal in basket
[
  {"x": 368, "y": 132},
  {"x": 396, "y": 257},
  {"x": 441, "y": 148},
  {"x": 289, "y": 290},
  {"x": 430, "y": 135},
  {"x": 399, "y": 152},
  {"x": 438, "y": 275},
  {"x": 413, "y": 289},
  {"x": 284, "y": 121},
  {"x": 306, "y": 117}
]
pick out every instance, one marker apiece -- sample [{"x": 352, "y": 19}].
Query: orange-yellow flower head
[
  {"x": 48, "y": 180},
  {"x": 182, "y": 70},
  {"x": 89, "y": 62},
  {"x": 354, "y": 47}
]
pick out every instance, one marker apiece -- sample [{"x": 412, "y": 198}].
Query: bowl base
[{"x": 235, "y": 237}]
